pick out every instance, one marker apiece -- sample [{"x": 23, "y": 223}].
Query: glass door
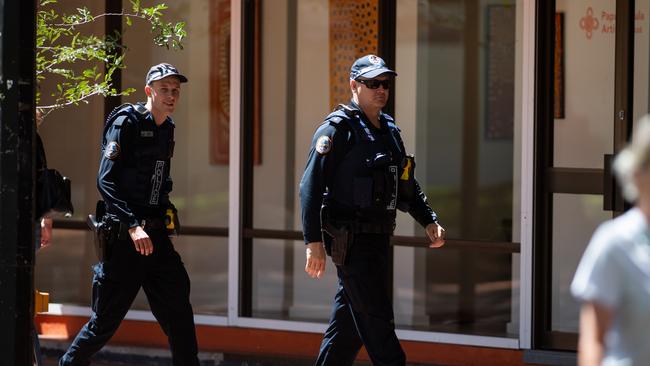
[
  {"x": 641, "y": 97},
  {"x": 583, "y": 118}
]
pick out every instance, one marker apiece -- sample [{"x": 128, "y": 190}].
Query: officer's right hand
[
  {"x": 141, "y": 240},
  {"x": 315, "y": 266}
]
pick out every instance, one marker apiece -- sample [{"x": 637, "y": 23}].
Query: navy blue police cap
[
  {"x": 369, "y": 66},
  {"x": 163, "y": 70}
]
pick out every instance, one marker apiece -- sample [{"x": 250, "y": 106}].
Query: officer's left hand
[
  {"x": 46, "y": 231},
  {"x": 436, "y": 234}
]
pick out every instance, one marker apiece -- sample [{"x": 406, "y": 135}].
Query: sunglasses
[{"x": 374, "y": 84}]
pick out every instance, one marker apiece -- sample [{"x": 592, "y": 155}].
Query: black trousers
[
  {"x": 116, "y": 283},
  {"x": 363, "y": 313}
]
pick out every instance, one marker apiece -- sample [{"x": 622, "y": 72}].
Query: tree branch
[
  {"x": 100, "y": 16},
  {"x": 54, "y": 106}
]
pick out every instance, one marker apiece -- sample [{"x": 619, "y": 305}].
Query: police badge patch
[
  {"x": 374, "y": 60},
  {"x": 112, "y": 150},
  {"x": 323, "y": 145}
]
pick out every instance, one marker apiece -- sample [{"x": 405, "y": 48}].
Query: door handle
[{"x": 609, "y": 185}]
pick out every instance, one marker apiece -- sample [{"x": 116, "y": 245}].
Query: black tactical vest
[
  {"x": 365, "y": 181},
  {"x": 146, "y": 155}
]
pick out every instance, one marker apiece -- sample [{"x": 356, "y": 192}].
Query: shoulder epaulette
[
  {"x": 349, "y": 111},
  {"x": 127, "y": 110},
  {"x": 336, "y": 117},
  {"x": 122, "y": 109},
  {"x": 140, "y": 108}
]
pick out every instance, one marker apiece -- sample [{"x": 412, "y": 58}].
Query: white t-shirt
[{"x": 615, "y": 271}]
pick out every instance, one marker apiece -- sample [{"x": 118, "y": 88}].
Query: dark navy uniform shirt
[
  {"x": 133, "y": 176},
  {"x": 325, "y": 155}
]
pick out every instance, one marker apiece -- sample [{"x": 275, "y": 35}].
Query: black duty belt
[
  {"x": 367, "y": 227},
  {"x": 153, "y": 223},
  {"x": 147, "y": 223}
]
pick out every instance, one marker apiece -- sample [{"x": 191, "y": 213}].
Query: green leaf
[
  {"x": 61, "y": 49},
  {"x": 136, "y": 5}
]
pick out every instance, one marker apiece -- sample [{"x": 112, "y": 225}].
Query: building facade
[{"x": 512, "y": 108}]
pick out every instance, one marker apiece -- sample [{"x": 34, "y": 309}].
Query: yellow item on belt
[
  {"x": 407, "y": 170},
  {"x": 169, "y": 219}
]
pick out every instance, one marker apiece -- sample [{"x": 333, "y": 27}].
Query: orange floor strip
[{"x": 275, "y": 343}]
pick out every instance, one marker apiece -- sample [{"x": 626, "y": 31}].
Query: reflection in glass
[
  {"x": 282, "y": 289},
  {"x": 641, "y": 59},
  {"x": 575, "y": 217},
  {"x": 455, "y": 292},
  {"x": 200, "y": 191},
  {"x": 588, "y": 68},
  {"x": 64, "y": 268},
  {"x": 200, "y": 187},
  {"x": 455, "y": 105}
]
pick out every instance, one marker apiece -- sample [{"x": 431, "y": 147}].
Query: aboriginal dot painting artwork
[{"x": 354, "y": 27}]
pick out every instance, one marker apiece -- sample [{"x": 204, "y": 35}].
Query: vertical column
[
  {"x": 17, "y": 95},
  {"x": 469, "y": 179},
  {"x": 234, "y": 180},
  {"x": 112, "y": 26}
]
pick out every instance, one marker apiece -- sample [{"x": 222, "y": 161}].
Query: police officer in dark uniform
[
  {"x": 134, "y": 181},
  {"x": 357, "y": 175}
]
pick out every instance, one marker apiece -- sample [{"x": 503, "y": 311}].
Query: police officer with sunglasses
[{"x": 358, "y": 173}]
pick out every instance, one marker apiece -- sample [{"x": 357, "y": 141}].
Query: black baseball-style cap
[
  {"x": 163, "y": 70},
  {"x": 369, "y": 66}
]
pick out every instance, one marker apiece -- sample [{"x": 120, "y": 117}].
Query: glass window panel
[
  {"x": 455, "y": 104},
  {"x": 430, "y": 93},
  {"x": 207, "y": 266},
  {"x": 588, "y": 94},
  {"x": 200, "y": 186},
  {"x": 575, "y": 217},
  {"x": 641, "y": 58},
  {"x": 64, "y": 268},
  {"x": 72, "y": 137},
  {"x": 208, "y": 271},
  {"x": 294, "y": 101},
  {"x": 282, "y": 289},
  {"x": 200, "y": 178},
  {"x": 456, "y": 291}
]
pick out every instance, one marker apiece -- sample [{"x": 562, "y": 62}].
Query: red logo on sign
[{"x": 589, "y": 23}]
